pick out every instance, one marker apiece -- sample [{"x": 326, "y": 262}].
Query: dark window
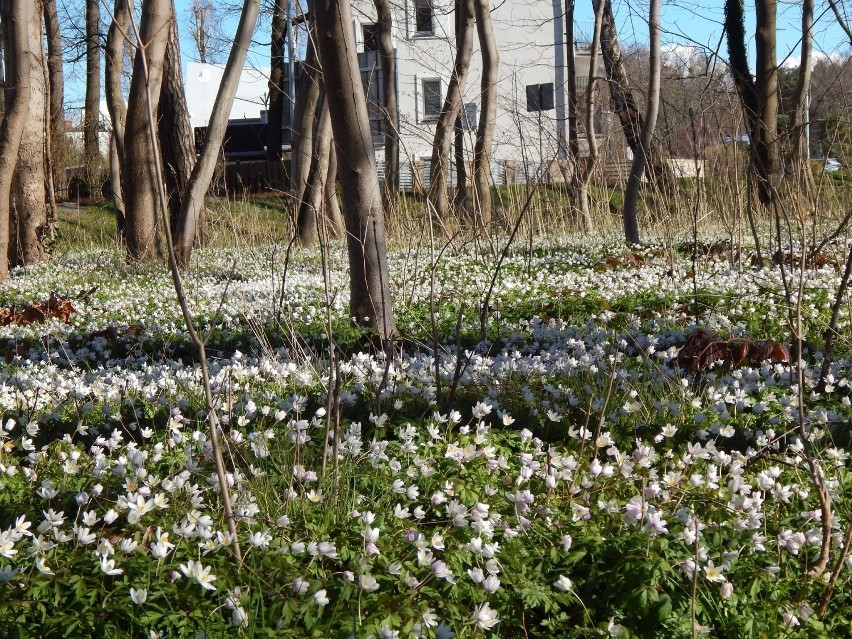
[
  {"x": 431, "y": 98},
  {"x": 371, "y": 37},
  {"x": 424, "y": 16}
]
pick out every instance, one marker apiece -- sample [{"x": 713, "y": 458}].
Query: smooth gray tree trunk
[
  {"x": 384, "y": 25},
  {"x": 114, "y": 57},
  {"x": 91, "y": 120},
  {"x": 57, "y": 93},
  {"x": 640, "y": 160},
  {"x": 369, "y": 299},
  {"x": 202, "y": 172},
  {"x": 487, "y": 117},
  {"x": 445, "y": 127}
]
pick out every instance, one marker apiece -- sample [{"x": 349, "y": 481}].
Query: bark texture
[
  {"x": 758, "y": 95},
  {"x": 193, "y": 201},
  {"x": 591, "y": 107},
  {"x": 177, "y": 140},
  {"x": 311, "y": 205},
  {"x": 488, "y": 114},
  {"x": 640, "y": 160},
  {"x": 114, "y": 56},
  {"x": 369, "y": 299},
  {"x": 800, "y": 159},
  {"x": 305, "y": 115},
  {"x": 445, "y": 127},
  {"x": 14, "y": 18},
  {"x": 275, "y": 112},
  {"x": 384, "y": 25},
  {"x": 140, "y": 167},
  {"x": 56, "y": 93},
  {"x": 91, "y": 120},
  {"x": 29, "y": 213}
]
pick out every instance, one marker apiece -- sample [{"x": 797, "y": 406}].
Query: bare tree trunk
[
  {"x": 766, "y": 81},
  {"x": 202, "y": 172},
  {"x": 624, "y": 104},
  {"x": 15, "y": 17},
  {"x": 118, "y": 30},
  {"x": 306, "y": 113},
  {"x": 384, "y": 24},
  {"x": 800, "y": 159},
  {"x": 116, "y": 193},
  {"x": 571, "y": 70},
  {"x": 640, "y": 160},
  {"x": 445, "y": 127},
  {"x": 29, "y": 213},
  {"x": 485, "y": 130},
  {"x": 579, "y": 187},
  {"x": 275, "y": 112},
  {"x": 591, "y": 106},
  {"x": 369, "y": 299},
  {"x": 336, "y": 227},
  {"x": 310, "y": 207},
  {"x": 140, "y": 160},
  {"x": 177, "y": 140},
  {"x": 57, "y": 114},
  {"x": 759, "y": 95},
  {"x": 91, "y": 121}
]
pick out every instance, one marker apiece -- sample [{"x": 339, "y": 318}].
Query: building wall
[
  {"x": 530, "y": 44},
  {"x": 529, "y": 35}
]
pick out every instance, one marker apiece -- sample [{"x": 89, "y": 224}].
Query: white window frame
[
  {"x": 420, "y": 93},
  {"x": 431, "y": 33}
]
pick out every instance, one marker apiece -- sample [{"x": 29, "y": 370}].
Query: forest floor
[{"x": 606, "y": 443}]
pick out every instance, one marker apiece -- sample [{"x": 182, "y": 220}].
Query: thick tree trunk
[
  {"x": 202, "y": 173},
  {"x": 29, "y": 213},
  {"x": 445, "y": 127},
  {"x": 177, "y": 141},
  {"x": 384, "y": 25},
  {"x": 275, "y": 112},
  {"x": 117, "y": 109},
  {"x": 488, "y": 115},
  {"x": 57, "y": 114},
  {"x": 15, "y": 16},
  {"x": 369, "y": 300},
  {"x": 91, "y": 120},
  {"x": 640, "y": 160},
  {"x": 140, "y": 161},
  {"x": 624, "y": 104}
]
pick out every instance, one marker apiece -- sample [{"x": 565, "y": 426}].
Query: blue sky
[{"x": 696, "y": 23}]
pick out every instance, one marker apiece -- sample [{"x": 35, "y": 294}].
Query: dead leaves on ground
[
  {"x": 36, "y": 312},
  {"x": 703, "y": 349},
  {"x": 628, "y": 260}
]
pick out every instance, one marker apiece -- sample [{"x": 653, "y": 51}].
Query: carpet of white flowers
[{"x": 562, "y": 477}]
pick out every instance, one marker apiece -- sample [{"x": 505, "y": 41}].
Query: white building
[{"x": 531, "y": 45}]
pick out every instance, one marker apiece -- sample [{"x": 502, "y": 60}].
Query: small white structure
[{"x": 202, "y": 85}]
